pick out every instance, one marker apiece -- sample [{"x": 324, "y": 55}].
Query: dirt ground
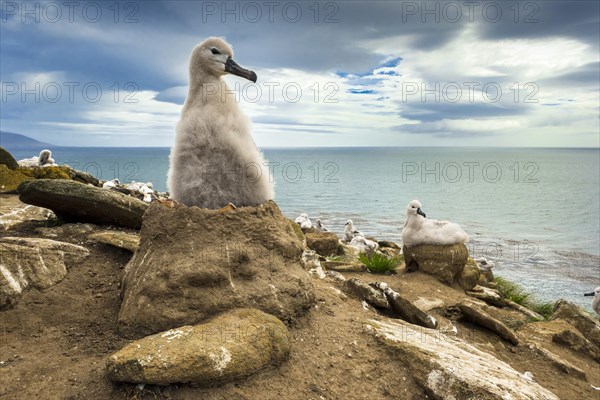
[{"x": 55, "y": 343}]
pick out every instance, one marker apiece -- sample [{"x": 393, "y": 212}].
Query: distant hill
[{"x": 14, "y": 141}]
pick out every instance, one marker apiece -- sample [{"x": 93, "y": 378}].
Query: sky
[{"x": 341, "y": 73}]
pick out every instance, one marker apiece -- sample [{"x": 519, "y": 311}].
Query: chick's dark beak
[
  {"x": 421, "y": 213},
  {"x": 234, "y": 68},
  {"x": 590, "y": 294}
]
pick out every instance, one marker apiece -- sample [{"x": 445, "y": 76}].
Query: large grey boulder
[
  {"x": 76, "y": 202},
  {"x": 193, "y": 263},
  {"x": 448, "y": 368},
  {"x": 33, "y": 262},
  {"x": 231, "y": 346},
  {"x": 576, "y": 316},
  {"x": 444, "y": 262}
]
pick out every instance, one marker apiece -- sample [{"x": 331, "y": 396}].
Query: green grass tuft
[
  {"x": 379, "y": 263},
  {"x": 516, "y": 293}
]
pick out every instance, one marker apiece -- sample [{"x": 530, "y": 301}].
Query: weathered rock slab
[
  {"x": 447, "y": 368},
  {"x": 230, "y": 347},
  {"x": 13, "y": 212},
  {"x": 444, "y": 262},
  {"x": 194, "y": 263},
  {"x": 407, "y": 310},
  {"x": 588, "y": 326},
  {"x": 480, "y": 317},
  {"x": 121, "y": 240},
  {"x": 76, "y": 202},
  {"x": 365, "y": 292},
  {"x": 33, "y": 262}
]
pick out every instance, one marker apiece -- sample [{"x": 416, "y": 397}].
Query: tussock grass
[
  {"x": 512, "y": 291},
  {"x": 379, "y": 263}
]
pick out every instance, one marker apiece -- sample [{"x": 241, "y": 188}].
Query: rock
[
  {"x": 32, "y": 262},
  {"x": 469, "y": 277},
  {"x": 388, "y": 244},
  {"x": 84, "y": 177},
  {"x": 524, "y": 310},
  {"x": 576, "y": 342},
  {"x": 79, "y": 231},
  {"x": 324, "y": 243},
  {"x": 444, "y": 262},
  {"x": 13, "y": 212},
  {"x": 407, "y": 311},
  {"x": 76, "y": 202},
  {"x": 559, "y": 363},
  {"x": 232, "y": 346},
  {"x": 194, "y": 263},
  {"x": 343, "y": 266},
  {"x": 480, "y": 317},
  {"x": 11, "y": 179},
  {"x": 122, "y": 240},
  {"x": 390, "y": 252},
  {"x": 7, "y": 159},
  {"x": 448, "y": 368},
  {"x": 588, "y": 326},
  {"x": 490, "y": 296},
  {"x": 310, "y": 261},
  {"x": 364, "y": 291}
]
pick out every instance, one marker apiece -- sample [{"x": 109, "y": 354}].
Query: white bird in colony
[
  {"x": 303, "y": 221},
  {"x": 363, "y": 244},
  {"x": 214, "y": 160},
  {"x": 134, "y": 186},
  {"x": 145, "y": 189},
  {"x": 484, "y": 263},
  {"x": 321, "y": 227},
  {"x": 111, "y": 184},
  {"x": 350, "y": 232},
  {"x": 421, "y": 230},
  {"x": 147, "y": 198},
  {"x": 595, "y": 300},
  {"x": 46, "y": 159},
  {"x": 43, "y": 160}
]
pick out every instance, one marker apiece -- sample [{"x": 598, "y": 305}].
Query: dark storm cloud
[{"x": 539, "y": 19}]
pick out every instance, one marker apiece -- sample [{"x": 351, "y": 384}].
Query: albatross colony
[{"x": 214, "y": 161}]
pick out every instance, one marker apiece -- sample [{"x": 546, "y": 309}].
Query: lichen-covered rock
[
  {"x": 448, "y": 368},
  {"x": 231, "y": 346},
  {"x": 324, "y": 243},
  {"x": 193, "y": 263},
  {"x": 469, "y": 276},
  {"x": 574, "y": 315},
  {"x": 77, "y": 202},
  {"x": 444, "y": 262},
  {"x": 33, "y": 262}
]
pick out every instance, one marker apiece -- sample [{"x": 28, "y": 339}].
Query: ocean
[{"x": 534, "y": 211}]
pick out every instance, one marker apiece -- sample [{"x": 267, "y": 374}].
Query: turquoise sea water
[{"x": 536, "y": 212}]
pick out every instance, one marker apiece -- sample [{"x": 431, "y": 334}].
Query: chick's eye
[{"x": 215, "y": 51}]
